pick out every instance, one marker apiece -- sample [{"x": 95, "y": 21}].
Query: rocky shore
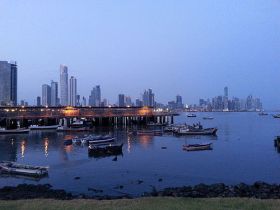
[{"x": 259, "y": 190}]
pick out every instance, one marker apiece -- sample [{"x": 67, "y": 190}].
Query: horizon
[{"x": 128, "y": 47}]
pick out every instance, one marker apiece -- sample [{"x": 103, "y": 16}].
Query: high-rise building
[
  {"x": 73, "y": 91},
  {"x": 64, "y": 85},
  {"x": 226, "y": 92},
  {"x": 95, "y": 96},
  {"x": 54, "y": 93},
  {"x": 179, "y": 102},
  {"x": 148, "y": 98},
  {"x": 121, "y": 100},
  {"x": 138, "y": 102},
  {"x": 46, "y": 95},
  {"x": 128, "y": 101},
  {"x": 8, "y": 83},
  {"x": 39, "y": 101}
]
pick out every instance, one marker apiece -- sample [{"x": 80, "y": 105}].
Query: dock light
[{"x": 109, "y": 106}]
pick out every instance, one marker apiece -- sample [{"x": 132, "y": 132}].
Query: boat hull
[
  {"x": 197, "y": 147},
  {"x": 211, "y": 131},
  {"x": 17, "y": 131}
]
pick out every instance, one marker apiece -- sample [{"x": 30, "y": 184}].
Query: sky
[{"x": 193, "y": 48}]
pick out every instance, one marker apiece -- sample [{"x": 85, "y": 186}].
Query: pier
[{"x": 13, "y": 117}]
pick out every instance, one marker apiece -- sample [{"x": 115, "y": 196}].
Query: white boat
[
  {"x": 21, "y": 169},
  {"x": 197, "y": 131},
  {"x": 103, "y": 139},
  {"x": 47, "y": 127},
  {"x": 67, "y": 129},
  {"x": 13, "y": 131}
]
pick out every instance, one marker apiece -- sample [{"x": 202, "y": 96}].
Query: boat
[
  {"x": 191, "y": 115},
  {"x": 156, "y": 124},
  {"x": 21, "y": 169},
  {"x": 77, "y": 124},
  {"x": 208, "y": 118},
  {"x": 47, "y": 127},
  {"x": 101, "y": 139},
  {"x": 104, "y": 150},
  {"x": 263, "y": 114},
  {"x": 276, "y": 115},
  {"x": 190, "y": 130},
  {"x": 68, "y": 129},
  {"x": 14, "y": 131},
  {"x": 197, "y": 147}
]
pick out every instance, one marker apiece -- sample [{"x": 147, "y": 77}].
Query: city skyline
[{"x": 166, "y": 50}]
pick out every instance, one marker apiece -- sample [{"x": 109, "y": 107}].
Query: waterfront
[{"x": 243, "y": 151}]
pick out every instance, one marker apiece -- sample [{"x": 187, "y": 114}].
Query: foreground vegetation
[{"x": 145, "y": 203}]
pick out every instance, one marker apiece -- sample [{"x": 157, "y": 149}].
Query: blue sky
[{"x": 193, "y": 48}]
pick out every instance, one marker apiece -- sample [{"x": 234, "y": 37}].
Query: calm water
[{"x": 243, "y": 151}]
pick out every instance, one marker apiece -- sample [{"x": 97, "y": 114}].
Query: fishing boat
[
  {"x": 276, "y": 115},
  {"x": 104, "y": 150},
  {"x": 197, "y": 147},
  {"x": 263, "y": 114},
  {"x": 196, "y": 131},
  {"x": 191, "y": 115},
  {"x": 14, "y": 131},
  {"x": 21, "y": 169},
  {"x": 208, "y": 118},
  {"x": 46, "y": 127}
]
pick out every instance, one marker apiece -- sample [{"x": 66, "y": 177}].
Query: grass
[{"x": 145, "y": 203}]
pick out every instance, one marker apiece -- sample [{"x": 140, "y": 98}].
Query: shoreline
[{"x": 259, "y": 190}]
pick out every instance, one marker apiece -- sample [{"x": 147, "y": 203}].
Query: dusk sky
[{"x": 193, "y": 48}]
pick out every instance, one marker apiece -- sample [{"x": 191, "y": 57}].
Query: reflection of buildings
[
  {"x": 145, "y": 140},
  {"x": 8, "y": 150}
]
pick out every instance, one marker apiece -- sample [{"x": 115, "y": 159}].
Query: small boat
[
  {"x": 21, "y": 169},
  {"x": 156, "y": 124},
  {"x": 191, "y": 115},
  {"x": 47, "y": 127},
  {"x": 197, "y": 131},
  {"x": 168, "y": 129},
  {"x": 14, "y": 131},
  {"x": 208, "y": 118},
  {"x": 101, "y": 139},
  {"x": 276, "y": 115},
  {"x": 104, "y": 150},
  {"x": 197, "y": 147},
  {"x": 263, "y": 114},
  {"x": 68, "y": 129}
]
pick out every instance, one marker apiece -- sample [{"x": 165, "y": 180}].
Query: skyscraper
[
  {"x": 148, "y": 98},
  {"x": 8, "y": 83},
  {"x": 179, "y": 102},
  {"x": 64, "y": 85},
  {"x": 39, "y": 101},
  {"x": 54, "y": 93},
  {"x": 73, "y": 91},
  {"x": 95, "y": 96},
  {"x": 226, "y": 92},
  {"x": 46, "y": 95},
  {"x": 121, "y": 100}
]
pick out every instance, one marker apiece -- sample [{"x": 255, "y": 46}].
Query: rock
[
  {"x": 160, "y": 179},
  {"x": 140, "y": 181},
  {"x": 77, "y": 178}
]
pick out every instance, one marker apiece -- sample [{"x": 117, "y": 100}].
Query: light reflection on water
[{"x": 243, "y": 151}]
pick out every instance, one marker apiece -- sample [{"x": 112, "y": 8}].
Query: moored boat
[
  {"x": 68, "y": 129},
  {"x": 14, "y": 131},
  {"x": 197, "y": 147},
  {"x": 276, "y": 115},
  {"x": 191, "y": 115},
  {"x": 46, "y": 127},
  {"x": 263, "y": 114},
  {"x": 21, "y": 169},
  {"x": 197, "y": 131},
  {"x": 101, "y": 139}
]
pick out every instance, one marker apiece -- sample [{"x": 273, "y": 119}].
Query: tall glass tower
[{"x": 64, "y": 85}]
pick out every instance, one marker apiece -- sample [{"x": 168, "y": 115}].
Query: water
[{"x": 243, "y": 151}]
